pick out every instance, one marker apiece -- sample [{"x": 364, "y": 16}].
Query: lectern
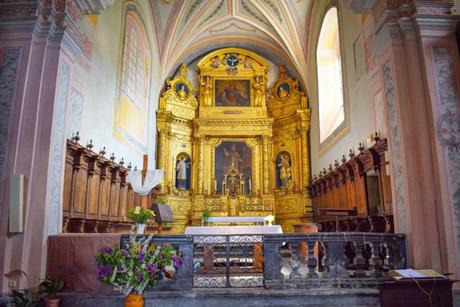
[{"x": 163, "y": 213}]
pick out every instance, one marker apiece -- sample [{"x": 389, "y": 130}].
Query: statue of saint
[
  {"x": 284, "y": 166},
  {"x": 215, "y": 62},
  {"x": 181, "y": 168},
  {"x": 259, "y": 89},
  {"x": 248, "y": 62},
  {"x": 206, "y": 88}
]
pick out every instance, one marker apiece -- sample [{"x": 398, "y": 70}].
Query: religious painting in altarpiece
[{"x": 231, "y": 144}]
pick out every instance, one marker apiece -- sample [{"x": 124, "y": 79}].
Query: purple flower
[
  {"x": 140, "y": 256},
  {"x": 104, "y": 270},
  {"x": 107, "y": 250},
  {"x": 151, "y": 268},
  {"x": 140, "y": 277},
  {"x": 125, "y": 253},
  {"x": 177, "y": 261}
]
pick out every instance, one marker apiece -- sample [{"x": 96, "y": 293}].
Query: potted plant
[
  {"x": 49, "y": 288},
  {"x": 205, "y": 217},
  {"x": 161, "y": 201},
  {"x": 138, "y": 266},
  {"x": 25, "y": 298},
  {"x": 140, "y": 217}
]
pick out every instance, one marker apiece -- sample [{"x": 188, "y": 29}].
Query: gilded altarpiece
[
  {"x": 287, "y": 105},
  {"x": 233, "y": 142}
]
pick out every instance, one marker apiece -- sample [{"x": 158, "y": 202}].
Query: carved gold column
[
  {"x": 305, "y": 157},
  {"x": 162, "y": 150},
  {"x": 201, "y": 167},
  {"x": 265, "y": 143}
]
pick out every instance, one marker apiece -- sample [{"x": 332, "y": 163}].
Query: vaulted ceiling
[{"x": 277, "y": 30}]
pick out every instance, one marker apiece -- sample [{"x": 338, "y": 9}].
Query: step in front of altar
[{"x": 235, "y": 297}]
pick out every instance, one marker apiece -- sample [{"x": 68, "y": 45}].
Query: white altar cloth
[
  {"x": 232, "y": 230},
  {"x": 237, "y": 219}
]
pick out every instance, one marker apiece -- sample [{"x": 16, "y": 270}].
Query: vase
[
  {"x": 140, "y": 229},
  {"x": 134, "y": 300},
  {"x": 52, "y": 302}
]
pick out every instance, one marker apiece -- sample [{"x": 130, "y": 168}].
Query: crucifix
[{"x": 144, "y": 199}]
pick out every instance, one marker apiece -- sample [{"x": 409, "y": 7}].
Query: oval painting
[
  {"x": 283, "y": 91},
  {"x": 182, "y": 90}
]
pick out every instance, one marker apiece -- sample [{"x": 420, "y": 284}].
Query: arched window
[
  {"x": 330, "y": 82},
  {"x": 134, "y": 83}
]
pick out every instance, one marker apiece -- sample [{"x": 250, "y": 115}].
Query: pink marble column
[
  {"x": 413, "y": 59},
  {"x": 440, "y": 56},
  {"x": 37, "y": 63}
]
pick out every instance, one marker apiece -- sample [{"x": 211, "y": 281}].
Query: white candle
[
  {"x": 215, "y": 185},
  {"x": 250, "y": 185}
]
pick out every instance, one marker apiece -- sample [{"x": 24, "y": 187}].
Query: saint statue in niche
[
  {"x": 283, "y": 165},
  {"x": 183, "y": 173}
]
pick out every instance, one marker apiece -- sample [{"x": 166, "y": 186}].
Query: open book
[{"x": 411, "y": 273}]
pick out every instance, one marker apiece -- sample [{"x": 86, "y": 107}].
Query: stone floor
[{"x": 235, "y": 298}]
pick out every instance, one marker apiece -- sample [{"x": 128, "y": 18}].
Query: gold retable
[{"x": 241, "y": 154}]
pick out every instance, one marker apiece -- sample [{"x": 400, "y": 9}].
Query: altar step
[{"x": 235, "y": 297}]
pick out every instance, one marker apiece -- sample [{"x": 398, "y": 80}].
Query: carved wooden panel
[
  {"x": 96, "y": 194},
  {"x": 345, "y": 186}
]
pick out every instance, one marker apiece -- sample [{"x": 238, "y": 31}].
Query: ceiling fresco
[{"x": 277, "y": 29}]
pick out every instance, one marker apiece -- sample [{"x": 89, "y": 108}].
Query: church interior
[{"x": 285, "y": 147}]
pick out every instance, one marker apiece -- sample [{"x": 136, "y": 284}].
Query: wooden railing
[{"x": 96, "y": 195}]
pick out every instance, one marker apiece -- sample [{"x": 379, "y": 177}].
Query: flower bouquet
[
  {"x": 136, "y": 267},
  {"x": 140, "y": 216}
]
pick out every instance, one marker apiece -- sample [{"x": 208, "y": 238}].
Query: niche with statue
[
  {"x": 284, "y": 171},
  {"x": 183, "y": 172}
]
